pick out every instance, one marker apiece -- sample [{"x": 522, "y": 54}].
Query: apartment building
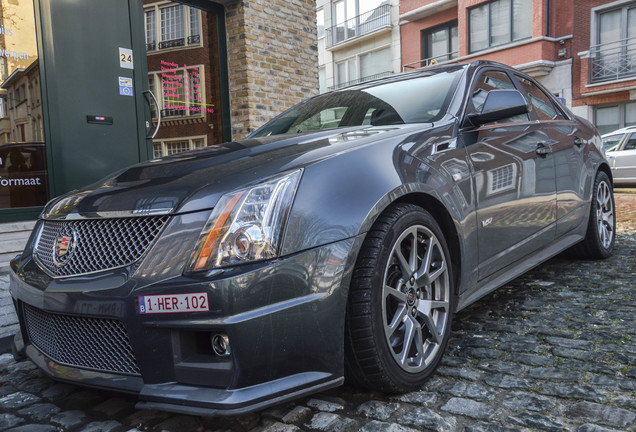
[
  {"x": 604, "y": 63},
  {"x": 535, "y": 36},
  {"x": 358, "y": 40}
]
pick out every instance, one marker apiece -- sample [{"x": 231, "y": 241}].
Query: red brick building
[
  {"x": 579, "y": 50},
  {"x": 604, "y": 66}
]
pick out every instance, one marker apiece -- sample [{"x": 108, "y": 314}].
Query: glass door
[{"x": 184, "y": 76}]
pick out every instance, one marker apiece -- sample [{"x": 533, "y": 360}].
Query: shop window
[
  {"x": 185, "y": 79},
  {"x": 499, "y": 22},
  {"x": 172, "y": 26},
  {"x": 180, "y": 91},
  {"x": 23, "y": 173}
]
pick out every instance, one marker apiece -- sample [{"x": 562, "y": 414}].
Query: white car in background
[{"x": 620, "y": 148}]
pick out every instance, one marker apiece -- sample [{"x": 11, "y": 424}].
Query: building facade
[
  {"x": 156, "y": 77},
  {"x": 604, "y": 66},
  {"x": 535, "y": 36},
  {"x": 358, "y": 40}
]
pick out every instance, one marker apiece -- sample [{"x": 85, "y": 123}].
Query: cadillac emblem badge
[{"x": 64, "y": 247}]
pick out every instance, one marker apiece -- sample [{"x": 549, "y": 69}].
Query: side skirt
[{"x": 518, "y": 268}]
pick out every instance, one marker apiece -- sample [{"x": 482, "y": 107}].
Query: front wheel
[
  {"x": 400, "y": 302},
  {"x": 600, "y": 236}
]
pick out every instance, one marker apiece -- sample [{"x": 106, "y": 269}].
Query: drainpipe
[{"x": 547, "y": 20}]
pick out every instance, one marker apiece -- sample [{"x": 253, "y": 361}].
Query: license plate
[{"x": 174, "y": 303}]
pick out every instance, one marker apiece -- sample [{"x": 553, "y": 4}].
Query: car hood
[{"x": 195, "y": 180}]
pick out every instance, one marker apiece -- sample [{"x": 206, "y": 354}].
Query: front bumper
[{"x": 284, "y": 320}]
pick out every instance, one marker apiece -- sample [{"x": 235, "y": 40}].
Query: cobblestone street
[{"x": 553, "y": 350}]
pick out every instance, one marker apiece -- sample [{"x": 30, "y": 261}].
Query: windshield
[{"x": 416, "y": 100}]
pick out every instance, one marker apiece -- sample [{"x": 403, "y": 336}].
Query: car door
[
  {"x": 623, "y": 161},
  {"x": 568, "y": 153},
  {"x": 513, "y": 177}
]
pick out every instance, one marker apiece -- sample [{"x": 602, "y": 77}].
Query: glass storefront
[
  {"x": 183, "y": 76},
  {"x": 23, "y": 171}
]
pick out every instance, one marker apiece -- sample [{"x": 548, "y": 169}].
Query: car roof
[{"x": 620, "y": 131}]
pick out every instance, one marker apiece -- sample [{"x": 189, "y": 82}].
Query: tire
[
  {"x": 601, "y": 228},
  {"x": 400, "y": 303}
]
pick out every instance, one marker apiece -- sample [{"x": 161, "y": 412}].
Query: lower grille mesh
[{"x": 93, "y": 343}]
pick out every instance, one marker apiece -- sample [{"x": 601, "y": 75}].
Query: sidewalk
[{"x": 8, "y": 319}]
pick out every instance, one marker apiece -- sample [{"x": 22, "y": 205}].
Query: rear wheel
[
  {"x": 400, "y": 302},
  {"x": 599, "y": 239}
]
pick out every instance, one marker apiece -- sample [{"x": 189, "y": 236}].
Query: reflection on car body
[{"x": 340, "y": 236}]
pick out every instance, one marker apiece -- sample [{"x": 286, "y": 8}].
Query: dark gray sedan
[{"x": 336, "y": 241}]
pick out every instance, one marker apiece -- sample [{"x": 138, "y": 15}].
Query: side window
[
  {"x": 609, "y": 142},
  {"x": 631, "y": 144},
  {"x": 539, "y": 100},
  {"x": 488, "y": 81}
]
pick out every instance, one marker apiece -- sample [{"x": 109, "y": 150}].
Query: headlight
[{"x": 246, "y": 225}]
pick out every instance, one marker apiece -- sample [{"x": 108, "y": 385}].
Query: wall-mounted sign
[
  {"x": 125, "y": 86},
  {"x": 125, "y": 58}
]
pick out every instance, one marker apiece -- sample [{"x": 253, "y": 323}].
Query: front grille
[
  {"x": 92, "y": 343},
  {"x": 67, "y": 248}
]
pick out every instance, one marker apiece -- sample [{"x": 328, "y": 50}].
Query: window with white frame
[
  {"x": 180, "y": 92},
  {"x": 169, "y": 147},
  {"x": 498, "y": 22},
  {"x": 322, "y": 80},
  {"x": 172, "y": 25},
  {"x": 363, "y": 67},
  {"x": 613, "y": 56},
  {"x": 347, "y": 71},
  {"x": 320, "y": 22}
]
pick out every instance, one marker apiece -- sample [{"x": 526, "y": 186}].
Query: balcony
[
  {"x": 360, "y": 25},
  {"x": 613, "y": 61},
  {"x": 444, "y": 58}
]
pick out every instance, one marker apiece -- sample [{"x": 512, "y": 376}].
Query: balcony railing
[
  {"x": 431, "y": 61},
  {"x": 360, "y": 80},
  {"x": 613, "y": 61},
  {"x": 367, "y": 22}
]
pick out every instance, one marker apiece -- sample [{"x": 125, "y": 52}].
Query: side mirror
[{"x": 500, "y": 104}]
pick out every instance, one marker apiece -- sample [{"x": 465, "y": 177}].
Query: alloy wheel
[
  {"x": 415, "y": 298},
  {"x": 605, "y": 214}
]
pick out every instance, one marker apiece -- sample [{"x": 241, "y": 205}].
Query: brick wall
[
  {"x": 581, "y": 66},
  {"x": 273, "y": 59},
  {"x": 561, "y": 24},
  {"x": 411, "y": 33}
]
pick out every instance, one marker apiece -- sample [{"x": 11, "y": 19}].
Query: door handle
[
  {"x": 543, "y": 149},
  {"x": 154, "y": 99},
  {"x": 578, "y": 141}
]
